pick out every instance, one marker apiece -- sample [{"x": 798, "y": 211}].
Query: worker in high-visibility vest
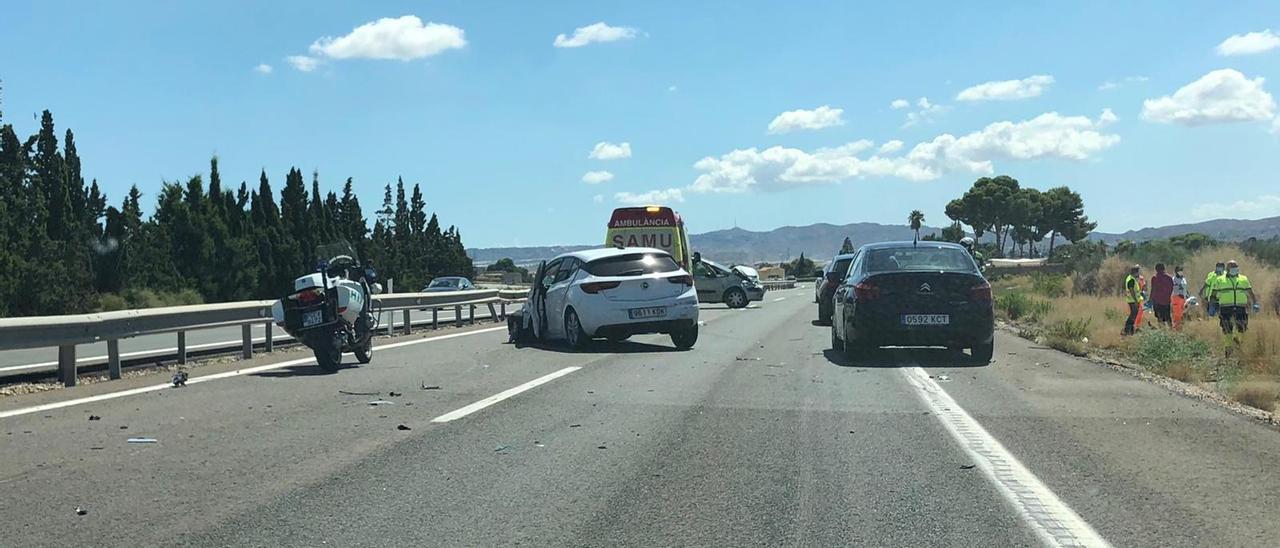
[
  {"x": 1235, "y": 297},
  {"x": 1211, "y": 306},
  {"x": 1133, "y": 297},
  {"x": 1142, "y": 301}
]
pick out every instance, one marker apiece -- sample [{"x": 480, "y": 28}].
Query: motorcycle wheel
[
  {"x": 328, "y": 353},
  {"x": 364, "y": 353}
]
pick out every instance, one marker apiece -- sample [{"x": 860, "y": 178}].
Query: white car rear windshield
[
  {"x": 944, "y": 259},
  {"x": 632, "y": 264}
]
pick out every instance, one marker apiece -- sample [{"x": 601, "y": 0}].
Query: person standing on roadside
[
  {"x": 1235, "y": 297},
  {"x": 1180, "y": 295},
  {"x": 1162, "y": 295},
  {"x": 1143, "y": 302},
  {"x": 1206, "y": 290},
  {"x": 1133, "y": 297}
]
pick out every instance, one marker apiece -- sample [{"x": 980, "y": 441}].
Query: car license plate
[
  {"x": 652, "y": 312},
  {"x": 313, "y": 317},
  {"x": 926, "y": 319}
]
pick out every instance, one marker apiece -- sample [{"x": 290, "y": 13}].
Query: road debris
[
  {"x": 359, "y": 393},
  {"x": 80, "y": 511},
  {"x": 574, "y": 425},
  {"x": 142, "y": 440},
  {"x": 432, "y": 387},
  {"x": 381, "y": 402},
  {"x": 967, "y": 466},
  {"x": 94, "y": 418},
  {"x": 501, "y": 448},
  {"x": 96, "y": 448},
  {"x": 403, "y": 427},
  {"x": 537, "y": 443},
  {"x": 394, "y": 394},
  {"x": 124, "y": 427},
  {"x": 179, "y": 378},
  {"x": 742, "y": 359},
  {"x": 944, "y": 378},
  {"x": 601, "y": 447}
]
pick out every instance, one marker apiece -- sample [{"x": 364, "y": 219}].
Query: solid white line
[
  {"x": 223, "y": 375},
  {"x": 1052, "y": 520},
  {"x": 779, "y": 299},
  {"x": 464, "y": 411}
]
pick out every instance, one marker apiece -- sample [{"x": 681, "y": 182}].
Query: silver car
[{"x": 719, "y": 284}]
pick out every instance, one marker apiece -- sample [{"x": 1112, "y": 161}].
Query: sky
[{"x": 528, "y": 122}]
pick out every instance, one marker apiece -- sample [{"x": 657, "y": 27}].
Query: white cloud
[
  {"x": 1113, "y": 84},
  {"x": 891, "y": 147},
  {"x": 1107, "y": 118},
  {"x": 899, "y": 104},
  {"x": 1049, "y": 135},
  {"x": 1256, "y": 208},
  {"x": 593, "y": 33},
  {"x": 597, "y": 177},
  {"x": 263, "y": 68},
  {"x": 605, "y": 150},
  {"x": 1006, "y": 90},
  {"x": 670, "y": 195},
  {"x": 302, "y": 62},
  {"x": 598, "y": 198},
  {"x": 819, "y": 118},
  {"x": 1221, "y": 96},
  {"x": 928, "y": 111},
  {"x": 402, "y": 38},
  {"x": 1248, "y": 44},
  {"x": 671, "y": 88}
]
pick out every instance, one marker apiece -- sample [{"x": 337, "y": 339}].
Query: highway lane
[
  {"x": 757, "y": 436},
  {"x": 45, "y": 359}
]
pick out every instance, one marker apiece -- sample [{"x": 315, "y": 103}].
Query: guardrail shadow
[
  {"x": 304, "y": 370},
  {"x": 895, "y": 357}
]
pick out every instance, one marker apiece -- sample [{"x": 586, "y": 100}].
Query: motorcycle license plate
[{"x": 313, "y": 317}]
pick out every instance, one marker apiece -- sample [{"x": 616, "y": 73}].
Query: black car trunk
[{"x": 924, "y": 292}]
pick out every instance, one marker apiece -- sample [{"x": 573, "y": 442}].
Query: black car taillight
[
  {"x": 980, "y": 293},
  {"x": 596, "y": 287},
  {"x": 866, "y": 291}
]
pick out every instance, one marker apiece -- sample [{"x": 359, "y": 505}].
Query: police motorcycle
[{"x": 331, "y": 311}]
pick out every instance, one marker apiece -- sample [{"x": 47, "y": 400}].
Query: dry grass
[
  {"x": 1261, "y": 394},
  {"x": 1185, "y": 373}
]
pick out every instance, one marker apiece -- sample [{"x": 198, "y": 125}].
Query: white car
[{"x": 610, "y": 293}]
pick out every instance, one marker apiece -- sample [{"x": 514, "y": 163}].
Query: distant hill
[
  {"x": 735, "y": 245},
  {"x": 1232, "y": 230}
]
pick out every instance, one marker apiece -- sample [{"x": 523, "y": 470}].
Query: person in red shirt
[{"x": 1162, "y": 295}]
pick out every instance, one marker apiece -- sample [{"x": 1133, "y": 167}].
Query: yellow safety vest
[
  {"x": 1129, "y": 294},
  {"x": 1231, "y": 290}
]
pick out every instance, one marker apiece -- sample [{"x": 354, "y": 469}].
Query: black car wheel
[
  {"x": 836, "y": 343},
  {"x": 685, "y": 337},
  {"x": 982, "y": 353}
]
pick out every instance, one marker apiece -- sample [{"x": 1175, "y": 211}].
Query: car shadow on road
[
  {"x": 601, "y": 347},
  {"x": 888, "y": 358},
  {"x": 312, "y": 370}
]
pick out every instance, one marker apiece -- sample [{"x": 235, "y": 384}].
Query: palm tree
[{"x": 916, "y": 219}]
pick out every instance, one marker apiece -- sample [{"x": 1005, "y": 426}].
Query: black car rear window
[
  {"x": 917, "y": 259},
  {"x": 632, "y": 264},
  {"x": 841, "y": 267}
]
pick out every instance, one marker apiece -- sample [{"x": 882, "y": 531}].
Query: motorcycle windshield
[{"x": 335, "y": 253}]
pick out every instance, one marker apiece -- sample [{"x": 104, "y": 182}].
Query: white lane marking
[
  {"x": 464, "y": 411},
  {"x": 779, "y": 299},
  {"x": 216, "y": 376},
  {"x": 1052, "y": 520}
]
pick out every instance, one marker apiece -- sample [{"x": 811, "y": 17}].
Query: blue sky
[{"x": 478, "y": 104}]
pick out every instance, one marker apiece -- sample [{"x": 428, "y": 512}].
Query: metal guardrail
[
  {"x": 778, "y": 284},
  {"x": 65, "y": 332}
]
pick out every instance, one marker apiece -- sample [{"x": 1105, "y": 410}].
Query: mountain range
[{"x": 822, "y": 240}]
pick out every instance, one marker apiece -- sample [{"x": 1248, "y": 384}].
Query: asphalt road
[
  {"x": 28, "y": 360},
  {"x": 757, "y": 436}
]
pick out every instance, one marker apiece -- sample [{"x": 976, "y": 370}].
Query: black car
[
  {"x": 914, "y": 294},
  {"x": 831, "y": 278}
]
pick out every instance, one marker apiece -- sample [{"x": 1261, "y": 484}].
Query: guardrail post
[
  {"x": 67, "y": 364},
  {"x": 457, "y": 315},
  {"x": 503, "y": 307},
  {"x": 407, "y": 324},
  {"x": 391, "y": 323},
  {"x": 492, "y": 314},
  {"x": 113, "y": 359},
  {"x": 182, "y": 347},
  {"x": 472, "y": 314},
  {"x": 246, "y": 334},
  {"x": 267, "y": 344},
  {"x": 435, "y": 319}
]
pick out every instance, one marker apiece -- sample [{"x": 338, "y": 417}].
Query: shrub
[
  {"x": 1071, "y": 329},
  {"x": 1262, "y": 395},
  {"x": 1013, "y": 305},
  {"x": 149, "y": 298},
  {"x": 1109, "y": 279},
  {"x": 108, "y": 302},
  {"x": 1049, "y": 285},
  {"x": 1158, "y": 349},
  {"x": 1070, "y": 346}
]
